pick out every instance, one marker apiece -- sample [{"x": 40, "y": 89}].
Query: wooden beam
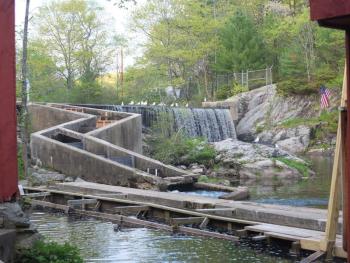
[
  {"x": 81, "y": 202},
  {"x": 334, "y": 197},
  {"x": 204, "y": 223},
  {"x": 59, "y": 207},
  {"x": 130, "y": 209},
  {"x": 186, "y": 220},
  {"x": 313, "y": 257},
  {"x": 259, "y": 238},
  {"x": 203, "y": 233},
  {"x": 34, "y": 195}
]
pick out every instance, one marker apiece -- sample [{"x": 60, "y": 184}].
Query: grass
[{"x": 301, "y": 167}]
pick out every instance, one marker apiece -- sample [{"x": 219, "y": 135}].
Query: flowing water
[
  {"x": 98, "y": 242},
  {"x": 212, "y": 124}
]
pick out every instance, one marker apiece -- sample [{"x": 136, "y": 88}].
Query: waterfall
[{"x": 212, "y": 124}]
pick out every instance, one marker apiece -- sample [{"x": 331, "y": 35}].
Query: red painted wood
[
  {"x": 326, "y": 9},
  {"x": 8, "y": 140}
]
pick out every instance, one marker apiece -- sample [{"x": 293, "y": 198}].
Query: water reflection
[
  {"x": 99, "y": 243},
  {"x": 312, "y": 192}
]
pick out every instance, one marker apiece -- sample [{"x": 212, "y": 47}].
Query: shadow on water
[{"x": 311, "y": 192}]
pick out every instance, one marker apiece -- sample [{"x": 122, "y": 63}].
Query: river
[{"x": 98, "y": 242}]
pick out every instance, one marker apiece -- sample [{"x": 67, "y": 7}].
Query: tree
[
  {"x": 24, "y": 107},
  {"x": 242, "y": 47},
  {"x": 76, "y": 38},
  {"x": 176, "y": 37}
]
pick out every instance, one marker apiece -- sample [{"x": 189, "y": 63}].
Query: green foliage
[
  {"x": 302, "y": 167},
  {"x": 242, "y": 45},
  {"x": 50, "y": 253},
  {"x": 327, "y": 119},
  {"x": 224, "y": 92},
  {"x": 20, "y": 163},
  {"x": 237, "y": 89},
  {"x": 178, "y": 149}
]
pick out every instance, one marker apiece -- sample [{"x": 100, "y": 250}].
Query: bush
[
  {"x": 178, "y": 149},
  {"x": 224, "y": 92},
  {"x": 237, "y": 89},
  {"x": 50, "y": 253}
]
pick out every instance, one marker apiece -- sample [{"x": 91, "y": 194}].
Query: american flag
[{"x": 325, "y": 95}]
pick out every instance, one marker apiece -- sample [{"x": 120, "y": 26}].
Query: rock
[
  {"x": 45, "y": 177},
  {"x": 13, "y": 215},
  {"x": 241, "y": 193},
  {"x": 197, "y": 170},
  {"x": 293, "y": 140},
  {"x": 252, "y": 161},
  {"x": 264, "y": 107}
]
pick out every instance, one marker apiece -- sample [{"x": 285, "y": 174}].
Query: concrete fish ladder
[{"x": 98, "y": 146}]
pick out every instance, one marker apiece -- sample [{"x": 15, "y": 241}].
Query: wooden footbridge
[{"x": 302, "y": 229}]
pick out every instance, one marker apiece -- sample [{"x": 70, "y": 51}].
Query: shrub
[
  {"x": 178, "y": 149},
  {"x": 237, "y": 89},
  {"x": 50, "y": 253},
  {"x": 224, "y": 92}
]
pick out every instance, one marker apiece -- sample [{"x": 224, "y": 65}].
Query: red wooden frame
[{"x": 8, "y": 138}]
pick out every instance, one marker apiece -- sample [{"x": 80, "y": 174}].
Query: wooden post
[
  {"x": 8, "y": 140},
  {"x": 334, "y": 199}
]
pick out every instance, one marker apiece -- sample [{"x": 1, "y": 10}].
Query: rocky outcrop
[
  {"x": 294, "y": 140},
  {"x": 253, "y": 161},
  {"x": 262, "y": 107}
]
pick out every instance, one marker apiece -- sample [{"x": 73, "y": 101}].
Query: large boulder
[
  {"x": 293, "y": 140},
  {"x": 254, "y": 161},
  {"x": 263, "y": 107}
]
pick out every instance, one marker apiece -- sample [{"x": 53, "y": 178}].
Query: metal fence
[{"x": 251, "y": 78}]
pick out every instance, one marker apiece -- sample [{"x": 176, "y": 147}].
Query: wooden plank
[
  {"x": 293, "y": 231},
  {"x": 34, "y": 195},
  {"x": 259, "y": 238},
  {"x": 186, "y": 220},
  {"x": 76, "y": 202},
  {"x": 204, "y": 233},
  {"x": 334, "y": 196},
  {"x": 130, "y": 209},
  {"x": 204, "y": 223},
  {"x": 63, "y": 208},
  {"x": 282, "y": 236},
  {"x": 153, "y": 205},
  {"x": 313, "y": 257},
  {"x": 215, "y": 209}
]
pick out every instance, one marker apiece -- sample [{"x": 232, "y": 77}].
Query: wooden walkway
[{"x": 194, "y": 215}]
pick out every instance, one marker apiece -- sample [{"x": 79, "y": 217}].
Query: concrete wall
[
  {"x": 79, "y": 163},
  {"x": 43, "y": 117},
  {"x": 122, "y": 138},
  {"x": 141, "y": 162},
  {"x": 126, "y": 133},
  {"x": 232, "y": 105}
]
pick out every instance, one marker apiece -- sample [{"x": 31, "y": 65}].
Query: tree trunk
[{"x": 24, "y": 121}]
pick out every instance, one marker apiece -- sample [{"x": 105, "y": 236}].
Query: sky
[{"x": 121, "y": 17}]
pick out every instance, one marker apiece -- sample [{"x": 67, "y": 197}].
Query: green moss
[{"x": 301, "y": 167}]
